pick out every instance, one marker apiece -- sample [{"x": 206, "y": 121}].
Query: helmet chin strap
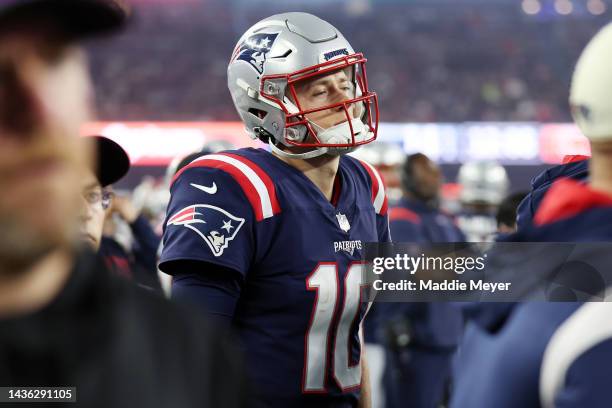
[
  {"x": 319, "y": 151},
  {"x": 335, "y": 134},
  {"x": 339, "y": 133}
]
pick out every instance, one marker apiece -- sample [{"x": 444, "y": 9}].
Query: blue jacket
[
  {"x": 501, "y": 356},
  {"x": 577, "y": 170}
]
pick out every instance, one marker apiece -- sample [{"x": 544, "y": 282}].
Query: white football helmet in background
[
  {"x": 484, "y": 185},
  {"x": 483, "y": 182},
  {"x": 590, "y": 89}
]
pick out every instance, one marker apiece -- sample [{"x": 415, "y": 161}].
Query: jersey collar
[
  {"x": 567, "y": 198},
  {"x": 337, "y": 189}
]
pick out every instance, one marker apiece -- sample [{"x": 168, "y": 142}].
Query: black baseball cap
[
  {"x": 77, "y": 18},
  {"x": 112, "y": 161}
]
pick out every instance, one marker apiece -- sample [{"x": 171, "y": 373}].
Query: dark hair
[
  {"x": 506, "y": 213},
  {"x": 408, "y": 182}
]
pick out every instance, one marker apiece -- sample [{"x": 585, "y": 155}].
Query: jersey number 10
[{"x": 325, "y": 281}]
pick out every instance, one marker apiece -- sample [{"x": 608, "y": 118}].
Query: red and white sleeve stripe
[
  {"x": 254, "y": 182},
  {"x": 379, "y": 198}
]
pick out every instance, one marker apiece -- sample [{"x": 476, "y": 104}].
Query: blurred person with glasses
[
  {"x": 112, "y": 164},
  {"x": 130, "y": 251},
  {"x": 102, "y": 198}
]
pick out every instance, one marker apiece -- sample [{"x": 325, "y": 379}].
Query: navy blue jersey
[
  {"x": 411, "y": 221},
  {"x": 417, "y": 374},
  {"x": 299, "y": 255},
  {"x": 500, "y": 362},
  {"x": 435, "y": 325},
  {"x": 576, "y": 168},
  {"x": 139, "y": 264}
]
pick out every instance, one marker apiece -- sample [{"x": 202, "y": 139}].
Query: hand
[
  {"x": 366, "y": 392},
  {"x": 124, "y": 207}
]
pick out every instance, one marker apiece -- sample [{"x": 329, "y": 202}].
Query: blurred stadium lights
[
  {"x": 349, "y": 3},
  {"x": 531, "y": 6},
  {"x": 509, "y": 143},
  {"x": 358, "y": 8},
  {"x": 596, "y": 7},
  {"x": 552, "y": 8},
  {"x": 593, "y": 6},
  {"x": 564, "y": 7}
]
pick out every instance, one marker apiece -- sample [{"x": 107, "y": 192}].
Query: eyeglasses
[{"x": 99, "y": 197}]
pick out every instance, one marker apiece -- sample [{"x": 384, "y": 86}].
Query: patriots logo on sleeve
[
  {"x": 214, "y": 225},
  {"x": 255, "y": 49}
]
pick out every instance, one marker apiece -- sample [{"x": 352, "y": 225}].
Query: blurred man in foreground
[{"x": 63, "y": 320}]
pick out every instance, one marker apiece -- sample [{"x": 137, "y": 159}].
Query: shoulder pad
[
  {"x": 256, "y": 184},
  {"x": 379, "y": 198}
]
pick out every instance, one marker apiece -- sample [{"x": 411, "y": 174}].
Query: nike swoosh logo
[{"x": 210, "y": 190}]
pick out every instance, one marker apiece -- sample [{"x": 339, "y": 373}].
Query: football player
[
  {"x": 271, "y": 242},
  {"x": 484, "y": 184},
  {"x": 555, "y": 354},
  {"x": 417, "y": 217},
  {"x": 417, "y": 372}
]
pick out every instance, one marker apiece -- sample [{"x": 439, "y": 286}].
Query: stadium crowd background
[
  {"x": 438, "y": 61},
  {"x": 435, "y": 62}
]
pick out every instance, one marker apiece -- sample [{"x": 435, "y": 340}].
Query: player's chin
[{"x": 340, "y": 151}]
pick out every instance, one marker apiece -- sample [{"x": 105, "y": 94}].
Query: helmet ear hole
[{"x": 260, "y": 114}]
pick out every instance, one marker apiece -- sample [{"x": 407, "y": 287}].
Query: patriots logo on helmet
[
  {"x": 255, "y": 49},
  {"x": 214, "y": 225}
]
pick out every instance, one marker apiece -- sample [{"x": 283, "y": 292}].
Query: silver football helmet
[
  {"x": 274, "y": 56},
  {"x": 483, "y": 182}
]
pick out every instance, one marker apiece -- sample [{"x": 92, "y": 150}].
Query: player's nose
[
  {"x": 338, "y": 95},
  {"x": 20, "y": 105}
]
